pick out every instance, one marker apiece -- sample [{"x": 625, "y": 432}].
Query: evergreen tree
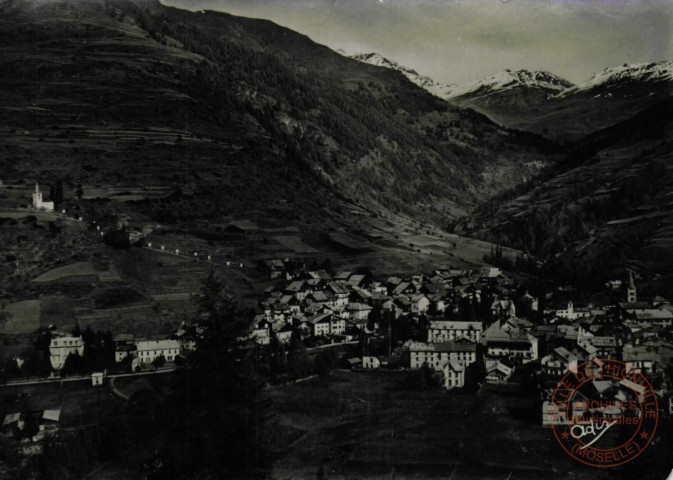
[
  {"x": 217, "y": 414},
  {"x": 297, "y": 359}
]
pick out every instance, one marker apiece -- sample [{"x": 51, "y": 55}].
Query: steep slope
[
  {"x": 569, "y": 113},
  {"x": 438, "y": 89},
  {"x": 608, "y": 204},
  {"x": 242, "y": 112}
]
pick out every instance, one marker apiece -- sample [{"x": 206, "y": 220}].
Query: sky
[{"x": 459, "y": 41}]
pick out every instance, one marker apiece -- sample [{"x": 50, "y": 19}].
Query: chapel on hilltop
[{"x": 38, "y": 203}]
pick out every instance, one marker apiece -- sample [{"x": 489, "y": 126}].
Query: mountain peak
[
  {"x": 440, "y": 90},
  {"x": 511, "y": 79},
  {"x": 614, "y": 77}
]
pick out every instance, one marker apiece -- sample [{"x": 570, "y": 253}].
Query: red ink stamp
[{"x": 604, "y": 413}]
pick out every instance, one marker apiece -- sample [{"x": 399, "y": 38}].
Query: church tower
[
  {"x": 38, "y": 203},
  {"x": 37, "y": 197},
  {"x": 631, "y": 294}
]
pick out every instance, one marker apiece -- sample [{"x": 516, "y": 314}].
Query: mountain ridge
[
  {"x": 546, "y": 104},
  {"x": 441, "y": 90}
]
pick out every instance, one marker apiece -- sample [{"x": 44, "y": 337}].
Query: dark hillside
[
  {"x": 241, "y": 112},
  {"x": 608, "y": 203}
]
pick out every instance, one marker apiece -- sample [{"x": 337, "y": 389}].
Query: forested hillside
[
  {"x": 607, "y": 204},
  {"x": 237, "y": 112}
]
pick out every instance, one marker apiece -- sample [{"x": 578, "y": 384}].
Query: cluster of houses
[
  {"x": 336, "y": 307},
  {"x": 636, "y": 332}
]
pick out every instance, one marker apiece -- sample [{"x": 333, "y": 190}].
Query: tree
[
  {"x": 297, "y": 358},
  {"x": 56, "y": 192},
  {"x": 325, "y": 362},
  {"x": 216, "y": 418},
  {"x": 73, "y": 365},
  {"x": 159, "y": 362},
  {"x": 375, "y": 316}
]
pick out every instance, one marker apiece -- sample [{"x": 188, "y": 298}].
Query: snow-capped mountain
[
  {"x": 440, "y": 90},
  {"x": 549, "y": 105},
  {"x": 510, "y": 80},
  {"x": 642, "y": 74}
]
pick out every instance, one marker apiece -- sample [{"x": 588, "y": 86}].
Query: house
[
  {"x": 124, "y": 346},
  {"x": 150, "y": 350},
  {"x": 528, "y": 304},
  {"x": 453, "y": 374},
  {"x": 391, "y": 306},
  {"x": 569, "y": 313},
  {"x": 337, "y": 325},
  {"x": 497, "y": 372},
  {"x": 284, "y": 333},
  {"x": 403, "y": 288},
  {"x": 445, "y": 330},
  {"x": 503, "y": 309},
  {"x": 377, "y": 287},
  {"x": 261, "y": 330},
  {"x": 597, "y": 346},
  {"x": 187, "y": 338},
  {"x": 342, "y": 276},
  {"x": 340, "y": 294},
  {"x": 320, "y": 324},
  {"x": 649, "y": 316},
  {"x": 297, "y": 289},
  {"x": 490, "y": 272},
  {"x": 435, "y": 354},
  {"x": 320, "y": 275},
  {"x": 274, "y": 267},
  {"x": 50, "y": 418},
  {"x": 502, "y": 340},
  {"x": 642, "y": 357},
  {"x": 354, "y": 363},
  {"x": 419, "y": 303},
  {"x": 356, "y": 280},
  {"x": 359, "y": 311},
  {"x": 38, "y": 203},
  {"x": 370, "y": 363},
  {"x": 553, "y": 414},
  {"x": 360, "y": 295},
  {"x": 62, "y": 346},
  {"x": 558, "y": 363},
  {"x": 318, "y": 297},
  {"x": 12, "y": 421}
]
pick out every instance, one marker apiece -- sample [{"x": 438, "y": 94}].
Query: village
[{"x": 459, "y": 330}]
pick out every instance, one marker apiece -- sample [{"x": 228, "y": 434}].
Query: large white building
[
  {"x": 38, "y": 203},
  {"x": 61, "y": 347},
  {"x": 435, "y": 354},
  {"x": 444, "y": 331},
  {"x": 149, "y": 350}
]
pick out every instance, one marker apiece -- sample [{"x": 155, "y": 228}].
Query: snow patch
[{"x": 440, "y": 90}]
